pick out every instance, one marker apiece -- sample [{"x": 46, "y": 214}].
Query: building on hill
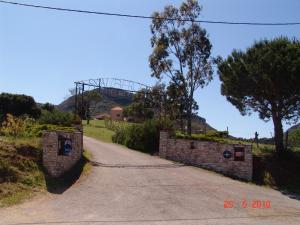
[
  {"x": 102, "y": 116},
  {"x": 116, "y": 113}
]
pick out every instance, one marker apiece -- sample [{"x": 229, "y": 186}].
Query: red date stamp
[{"x": 254, "y": 204}]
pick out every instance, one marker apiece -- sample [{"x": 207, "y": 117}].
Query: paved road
[{"x": 128, "y": 187}]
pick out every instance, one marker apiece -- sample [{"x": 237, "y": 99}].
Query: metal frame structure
[{"x": 108, "y": 86}]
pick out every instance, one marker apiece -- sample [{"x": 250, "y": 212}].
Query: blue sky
[{"x": 43, "y": 52}]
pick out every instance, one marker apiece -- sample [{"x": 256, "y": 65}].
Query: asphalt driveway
[{"x": 129, "y": 187}]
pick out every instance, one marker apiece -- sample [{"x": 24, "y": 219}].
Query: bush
[
  {"x": 114, "y": 125},
  {"x": 36, "y": 130},
  {"x": 14, "y": 126},
  {"x": 18, "y": 105},
  {"x": 143, "y": 137},
  {"x": 294, "y": 138},
  {"x": 217, "y": 134},
  {"x": 56, "y": 117},
  {"x": 213, "y": 136},
  {"x": 26, "y": 127}
]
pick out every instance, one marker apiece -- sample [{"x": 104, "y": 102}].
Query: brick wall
[
  {"x": 54, "y": 161},
  {"x": 208, "y": 155}
]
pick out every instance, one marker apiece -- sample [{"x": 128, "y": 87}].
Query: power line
[{"x": 149, "y": 17}]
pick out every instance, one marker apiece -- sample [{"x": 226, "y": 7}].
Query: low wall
[
  {"x": 231, "y": 159},
  {"x": 61, "y": 151}
]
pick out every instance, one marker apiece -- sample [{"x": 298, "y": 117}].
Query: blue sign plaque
[{"x": 227, "y": 154}]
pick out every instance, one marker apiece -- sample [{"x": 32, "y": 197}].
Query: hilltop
[{"x": 110, "y": 97}]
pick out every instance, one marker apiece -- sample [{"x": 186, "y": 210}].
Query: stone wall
[
  {"x": 61, "y": 151},
  {"x": 231, "y": 159}
]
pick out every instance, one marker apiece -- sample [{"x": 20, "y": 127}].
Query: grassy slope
[
  {"x": 96, "y": 129},
  {"x": 21, "y": 171}
]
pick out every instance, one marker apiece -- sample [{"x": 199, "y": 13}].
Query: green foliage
[
  {"x": 36, "y": 130},
  {"x": 200, "y": 137},
  {"x": 26, "y": 127},
  {"x": 214, "y": 136},
  {"x": 20, "y": 170},
  {"x": 265, "y": 79},
  {"x": 56, "y": 117},
  {"x": 294, "y": 138},
  {"x": 143, "y": 137},
  {"x": 18, "y": 105},
  {"x": 14, "y": 126},
  {"x": 48, "y": 106},
  {"x": 181, "y": 52},
  {"x": 218, "y": 134},
  {"x": 141, "y": 108}
]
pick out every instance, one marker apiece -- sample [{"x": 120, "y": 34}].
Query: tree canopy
[
  {"x": 18, "y": 105},
  {"x": 181, "y": 51},
  {"x": 265, "y": 79}
]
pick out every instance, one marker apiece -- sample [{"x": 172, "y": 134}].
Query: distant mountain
[{"x": 110, "y": 97}]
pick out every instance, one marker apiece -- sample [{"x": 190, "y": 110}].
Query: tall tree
[
  {"x": 265, "y": 79},
  {"x": 143, "y": 106},
  {"x": 181, "y": 50}
]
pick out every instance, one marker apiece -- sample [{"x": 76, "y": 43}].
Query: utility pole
[{"x": 256, "y": 138}]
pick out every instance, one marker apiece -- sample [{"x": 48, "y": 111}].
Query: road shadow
[
  {"x": 63, "y": 183},
  {"x": 137, "y": 166}
]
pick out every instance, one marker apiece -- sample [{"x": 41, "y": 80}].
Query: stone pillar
[{"x": 61, "y": 151}]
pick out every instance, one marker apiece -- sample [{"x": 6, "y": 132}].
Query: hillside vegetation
[{"x": 21, "y": 171}]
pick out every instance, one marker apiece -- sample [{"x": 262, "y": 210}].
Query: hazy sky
[{"x": 43, "y": 52}]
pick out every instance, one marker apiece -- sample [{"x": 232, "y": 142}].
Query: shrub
[
  {"x": 36, "y": 130},
  {"x": 294, "y": 138},
  {"x": 18, "y": 105},
  {"x": 217, "y": 134},
  {"x": 56, "y": 117},
  {"x": 26, "y": 127},
  {"x": 14, "y": 126},
  {"x": 143, "y": 137},
  {"x": 119, "y": 136}
]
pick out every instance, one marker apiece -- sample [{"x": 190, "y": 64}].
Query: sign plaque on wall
[
  {"x": 227, "y": 154},
  {"x": 64, "y": 146}
]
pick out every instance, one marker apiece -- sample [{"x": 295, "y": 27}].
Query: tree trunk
[
  {"x": 189, "y": 121},
  {"x": 88, "y": 116},
  {"x": 189, "y": 125},
  {"x": 181, "y": 125},
  {"x": 278, "y": 134}
]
